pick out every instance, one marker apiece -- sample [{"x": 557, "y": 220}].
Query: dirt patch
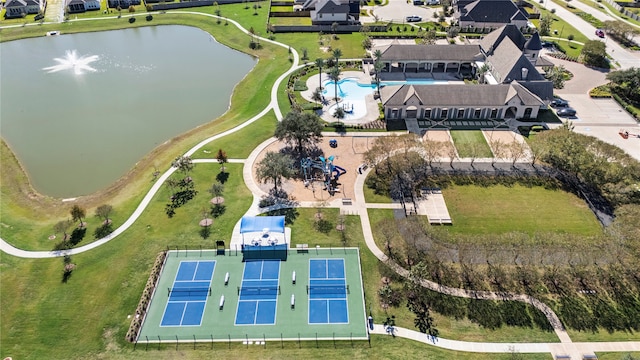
[
  {"x": 443, "y": 138},
  {"x": 506, "y": 144},
  {"x": 348, "y": 155}
]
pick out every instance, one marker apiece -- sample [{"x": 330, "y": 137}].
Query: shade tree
[{"x": 302, "y": 129}]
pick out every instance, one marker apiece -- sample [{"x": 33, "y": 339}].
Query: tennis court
[
  {"x": 188, "y": 294},
  {"x": 327, "y": 291},
  {"x": 258, "y": 294},
  {"x": 314, "y": 294}
]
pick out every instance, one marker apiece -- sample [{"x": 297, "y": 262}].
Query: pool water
[{"x": 353, "y": 93}]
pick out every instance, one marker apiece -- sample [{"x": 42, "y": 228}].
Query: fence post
[
  {"x": 299, "y": 346},
  {"x": 334, "y": 339},
  {"x": 194, "y": 342},
  {"x": 229, "y": 341},
  {"x": 176, "y": 342},
  {"x": 264, "y": 340},
  {"x": 281, "y": 342},
  {"x": 247, "y": 337},
  {"x": 317, "y": 340},
  {"x": 211, "y": 341},
  {"x": 158, "y": 342},
  {"x": 147, "y": 344},
  {"x": 351, "y": 338}
]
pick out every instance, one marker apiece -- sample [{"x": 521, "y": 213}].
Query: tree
[
  {"x": 378, "y": 66},
  {"x": 305, "y": 53},
  {"x": 337, "y": 54},
  {"x": 334, "y": 28},
  {"x": 222, "y": 158},
  {"x": 570, "y": 38},
  {"x": 183, "y": 164},
  {"x": 320, "y": 65},
  {"x": 482, "y": 71},
  {"x": 275, "y": 166},
  {"x": 428, "y": 37},
  {"x": 594, "y": 53},
  {"x": 367, "y": 43},
  {"x": 62, "y": 227},
  {"x": 300, "y": 128},
  {"x": 556, "y": 76},
  {"x": 417, "y": 302},
  {"x": 620, "y": 29},
  {"x": 334, "y": 75},
  {"x": 77, "y": 213},
  {"x": 104, "y": 211},
  {"x": 377, "y": 54},
  {"x": 626, "y": 83},
  {"x": 217, "y": 11},
  {"x": 545, "y": 25},
  {"x": 317, "y": 95}
]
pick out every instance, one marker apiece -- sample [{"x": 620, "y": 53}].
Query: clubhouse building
[{"x": 510, "y": 84}]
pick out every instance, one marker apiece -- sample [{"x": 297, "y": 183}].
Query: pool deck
[{"x": 372, "y": 105}]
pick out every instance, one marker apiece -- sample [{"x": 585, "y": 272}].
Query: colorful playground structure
[
  {"x": 625, "y": 134},
  {"x": 322, "y": 170}
]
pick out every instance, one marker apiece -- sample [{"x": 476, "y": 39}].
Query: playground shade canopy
[{"x": 259, "y": 223}]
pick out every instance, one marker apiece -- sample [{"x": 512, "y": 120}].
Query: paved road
[
  {"x": 604, "y": 15},
  {"x": 622, "y": 56}
]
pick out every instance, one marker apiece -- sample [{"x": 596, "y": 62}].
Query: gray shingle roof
[
  {"x": 533, "y": 43},
  {"x": 494, "y": 38},
  {"x": 542, "y": 89},
  {"x": 458, "y": 95},
  {"x": 430, "y": 52},
  {"x": 491, "y": 11},
  {"x": 508, "y": 61},
  {"x": 332, "y": 8}
]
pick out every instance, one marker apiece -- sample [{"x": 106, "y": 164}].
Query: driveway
[{"x": 398, "y": 10}]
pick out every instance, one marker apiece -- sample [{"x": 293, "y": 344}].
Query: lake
[{"x": 80, "y": 110}]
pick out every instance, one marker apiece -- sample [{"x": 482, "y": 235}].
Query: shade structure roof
[{"x": 260, "y": 223}]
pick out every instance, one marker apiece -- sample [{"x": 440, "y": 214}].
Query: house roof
[
  {"x": 450, "y": 95},
  {"x": 330, "y": 7},
  {"x": 541, "y": 88},
  {"x": 395, "y": 52},
  {"x": 533, "y": 43},
  {"x": 21, "y": 3},
  {"x": 494, "y": 38},
  {"x": 491, "y": 11},
  {"x": 508, "y": 61}
]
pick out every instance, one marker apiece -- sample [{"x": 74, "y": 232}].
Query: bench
[
  {"x": 293, "y": 278},
  {"x": 221, "y": 302},
  {"x": 293, "y": 301},
  {"x": 302, "y": 248},
  {"x": 226, "y": 279},
  {"x": 347, "y": 201}
]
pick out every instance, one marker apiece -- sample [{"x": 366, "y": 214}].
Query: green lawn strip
[
  {"x": 449, "y": 328},
  {"x": 600, "y": 6},
  {"x": 370, "y": 196},
  {"x": 500, "y": 209},
  {"x": 290, "y": 20},
  {"x": 617, "y": 355},
  {"x": 89, "y": 312},
  {"x": 251, "y": 136},
  {"x": 602, "y": 335},
  {"x": 564, "y": 30},
  {"x": 463, "y": 138}
]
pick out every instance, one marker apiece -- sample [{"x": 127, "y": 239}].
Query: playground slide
[{"x": 337, "y": 171}]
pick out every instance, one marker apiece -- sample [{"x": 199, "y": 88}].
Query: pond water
[{"x": 80, "y": 110}]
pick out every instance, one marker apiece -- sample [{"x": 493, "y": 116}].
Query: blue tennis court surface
[
  {"x": 189, "y": 293},
  {"x": 258, "y": 293},
  {"x": 328, "y": 291}
]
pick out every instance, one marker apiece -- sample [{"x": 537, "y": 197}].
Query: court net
[
  {"x": 191, "y": 291},
  {"x": 259, "y": 290},
  {"x": 327, "y": 290}
]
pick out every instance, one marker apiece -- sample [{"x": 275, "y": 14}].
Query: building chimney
[{"x": 525, "y": 72}]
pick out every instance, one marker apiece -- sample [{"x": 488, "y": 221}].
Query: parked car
[
  {"x": 432, "y": 2},
  {"x": 547, "y": 44},
  {"x": 566, "y": 112},
  {"x": 418, "y": 2},
  {"x": 414, "y": 18},
  {"x": 557, "y": 102},
  {"x": 600, "y": 33}
]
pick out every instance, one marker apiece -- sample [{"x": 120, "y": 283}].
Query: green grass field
[
  {"x": 471, "y": 143},
  {"x": 500, "y": 209}
]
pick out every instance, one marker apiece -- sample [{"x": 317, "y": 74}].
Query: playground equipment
[
  {"x": 347, "y": 108},
  {"x": 625, "y": 134},
  {"x": 322, "y": 170}
]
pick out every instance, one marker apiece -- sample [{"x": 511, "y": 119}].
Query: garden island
[{"x": 390, "y": 180}]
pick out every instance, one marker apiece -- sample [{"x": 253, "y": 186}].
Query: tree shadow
[
  {"x": 205, "y": 232},
  {"x": 217, "y": 210},
  {"x": 222, "y": 177},
  {"x": 103, "y": 231},
  {"x": 77, "y": 235}
]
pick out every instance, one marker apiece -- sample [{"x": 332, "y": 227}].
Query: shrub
[
  {"x": 132, "y": 20},
  {"x": 149, "y": 17}
]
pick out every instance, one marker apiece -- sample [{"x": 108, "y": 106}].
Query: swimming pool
[{"x": 352, "y": 93}]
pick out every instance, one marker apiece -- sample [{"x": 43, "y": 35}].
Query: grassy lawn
[
  {"x": 617, "y": 355},
  {"x": 297, "y": 21},
  {"x": 463, "y": 139},
  {"x": 500, "y": 209},
  {"x": 371, "y": 197},
  {"x": 564, "y": 30},
  {"x": 603, "y": 335},
  {"x": 602, "y": 4}
]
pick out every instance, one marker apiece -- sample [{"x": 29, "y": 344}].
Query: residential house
[
  {"x": 21, "y": 8},
  {"x": 488, "y": 14},
  {"x": 327, "y": 12},
  {"x": 80, "y": 6}
]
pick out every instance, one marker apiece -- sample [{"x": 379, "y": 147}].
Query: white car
[
  {"x": 414, "y": 18},
  {"x": 432, "y": 2}
]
